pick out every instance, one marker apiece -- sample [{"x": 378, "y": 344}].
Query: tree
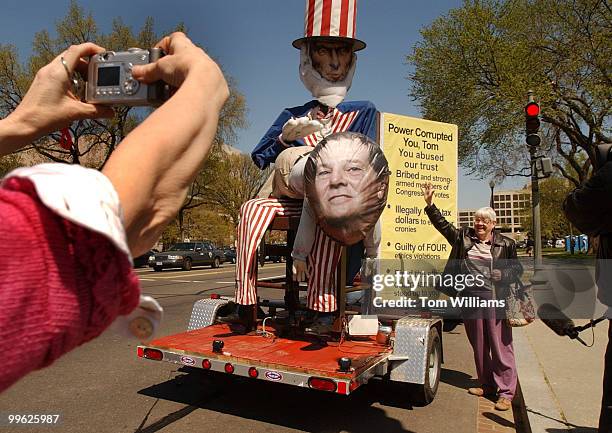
[
  {"x": 235, "y": 180},
  {"x": 475, "y": 65},
  {"x": 554, "y": 224},
  {"x": 227, "y": 181}
]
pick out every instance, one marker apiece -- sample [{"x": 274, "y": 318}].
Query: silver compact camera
[{"x": 110, "y": 81}]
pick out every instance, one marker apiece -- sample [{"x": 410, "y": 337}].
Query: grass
[{"x": 559, "y": 253}]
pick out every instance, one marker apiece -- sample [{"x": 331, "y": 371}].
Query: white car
[{"x": 560, "y": 243}]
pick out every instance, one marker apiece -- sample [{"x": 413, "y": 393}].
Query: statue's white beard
[{"x": 326, "y": 92}]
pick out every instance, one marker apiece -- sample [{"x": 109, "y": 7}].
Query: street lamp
[{"x": 491, "y": 185}]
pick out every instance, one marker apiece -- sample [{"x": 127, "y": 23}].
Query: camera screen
[{"x": 108, "y": 76}]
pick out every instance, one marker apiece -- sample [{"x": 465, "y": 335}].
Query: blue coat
[{"x": 269, "y": 146}]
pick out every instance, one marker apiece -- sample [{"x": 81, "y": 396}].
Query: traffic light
[{"x": 532, "y": 123}]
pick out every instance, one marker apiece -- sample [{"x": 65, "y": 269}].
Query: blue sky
[{"x": 251, "y": 39}]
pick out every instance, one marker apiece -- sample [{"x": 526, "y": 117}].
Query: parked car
[
  {"x": 185, "y": 255},
  {"x": 230, "y": 254},
  {"x": 560, "y": 243},
  {"x": 145, "y": 259}
]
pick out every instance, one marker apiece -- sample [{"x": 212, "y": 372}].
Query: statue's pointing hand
[{"x": 299, "y": 127}]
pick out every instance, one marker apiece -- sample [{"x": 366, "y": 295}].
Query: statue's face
[
  {"x": 343, "y": 172},
  {"x": 332, "y": 59}
]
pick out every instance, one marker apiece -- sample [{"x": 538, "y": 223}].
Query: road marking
[
  {"x": 147, "y": 279},
  {"x": 167, "y": 277},
  {"x": 271, "y": 278}
]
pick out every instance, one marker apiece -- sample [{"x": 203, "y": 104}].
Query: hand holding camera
[
  {"x": 50, "y": 105},
  {"x": 110, "y": 80}
]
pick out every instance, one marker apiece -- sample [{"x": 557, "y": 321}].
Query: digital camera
[{"x": 110, "y": 81}]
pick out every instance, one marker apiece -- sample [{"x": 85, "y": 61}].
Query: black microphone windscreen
[{"x": 555, "y": 319}]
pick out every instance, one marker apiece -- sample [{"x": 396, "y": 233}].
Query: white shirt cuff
[{"x": 81, "y": 195}]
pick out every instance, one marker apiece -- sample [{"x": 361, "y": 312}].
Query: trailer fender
[
  {"x": 204, "y": 312},
  {"x": 410, "y": 350}
]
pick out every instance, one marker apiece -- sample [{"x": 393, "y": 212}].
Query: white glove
[
  {"x": 298, "y": 127},
  {"x": 300, "y": 270}
]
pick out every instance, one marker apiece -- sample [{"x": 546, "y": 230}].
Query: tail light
[
  {"x": 206, "y": 364},
  {"x": 154, "y": 354},
  {"x": 322, "y": 384},
  {"x": 215, "y": 296},
  {"x": 253, "y": 372},
  {"x": 229, "y": 368}
]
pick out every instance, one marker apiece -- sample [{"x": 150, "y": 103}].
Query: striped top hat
[{"x": 330, "y": 19}]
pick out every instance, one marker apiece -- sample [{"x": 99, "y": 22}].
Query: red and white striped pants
[{"x": 255, "y": 216}]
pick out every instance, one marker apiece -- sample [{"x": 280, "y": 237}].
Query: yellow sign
[{"x": 419, "y": 152}]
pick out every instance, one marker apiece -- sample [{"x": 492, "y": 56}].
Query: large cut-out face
[
  {"x": 346, "y": 180},
  {"x": 343, "y": 172},
  {"x": 331, "y": 58}
]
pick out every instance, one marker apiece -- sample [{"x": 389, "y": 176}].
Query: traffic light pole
[
  {"x": 535, "y": 208},
  {"x": 532, "y": 127}
]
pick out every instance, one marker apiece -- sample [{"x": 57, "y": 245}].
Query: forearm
[
  {"x": 440, "y": 223},
  {"x": 372, "y": 240},
  {"x": 155, "y": 164},
  {"x": 304, "y": 238},
  {"x": 15, "y": 132}
]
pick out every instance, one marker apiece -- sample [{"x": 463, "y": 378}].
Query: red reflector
[
  {"x": 322, "y": 384},
  {"x": 253, "y": 372},
  {"x": 140, "y": 351},
  {"x": 532, "y": 109},
  {"x": 229, "y": 368},
  {"x": 342, "y": 388},
  {"x": 154, "y": 354},
  {"x": 206, "y": 364},
  {"x": 215, "y": 296}
]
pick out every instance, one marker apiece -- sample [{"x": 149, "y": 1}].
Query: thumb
[
  {"x": 92, "y": 111},
  {"x": 148, "y": 73}
]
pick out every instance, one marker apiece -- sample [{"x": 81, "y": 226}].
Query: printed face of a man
[
  {"x": 343, "y": 172},
  {"x": 332, "y": 59}
]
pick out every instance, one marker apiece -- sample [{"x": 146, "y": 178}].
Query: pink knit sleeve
[{"x": 60, "y": 284}]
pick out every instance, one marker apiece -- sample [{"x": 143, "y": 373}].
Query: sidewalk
[{"x": 560, "y": 378}]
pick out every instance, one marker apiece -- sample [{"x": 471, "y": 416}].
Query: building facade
[{"x": 511, "y": 207}]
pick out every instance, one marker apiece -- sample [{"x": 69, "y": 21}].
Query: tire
[
  {"x": 423, "y": 394},
  {"x": 157, "y": 268},
  {"x": 216, "y": 263},
  {"x": 187, "y": 264},
  {"x": 450, "y": 325}
]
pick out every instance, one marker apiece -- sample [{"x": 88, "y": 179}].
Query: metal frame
[
  {"x": 410, "y": 349},
  {"x": 204, "y": 312},
  {"x": 287, "y": 377}
]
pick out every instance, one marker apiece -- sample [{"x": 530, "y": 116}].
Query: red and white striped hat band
[{"x": 330, "y": 19}]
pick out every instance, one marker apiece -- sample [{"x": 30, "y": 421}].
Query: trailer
[{"x": 406, "y": 350}]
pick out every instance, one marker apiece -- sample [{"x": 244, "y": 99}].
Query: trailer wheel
[{"x": 423, "y": 394}]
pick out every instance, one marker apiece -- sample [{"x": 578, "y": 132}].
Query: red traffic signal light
[
  {"x": 532, "y": 123},
  {"x": 532, "y": 109}
]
